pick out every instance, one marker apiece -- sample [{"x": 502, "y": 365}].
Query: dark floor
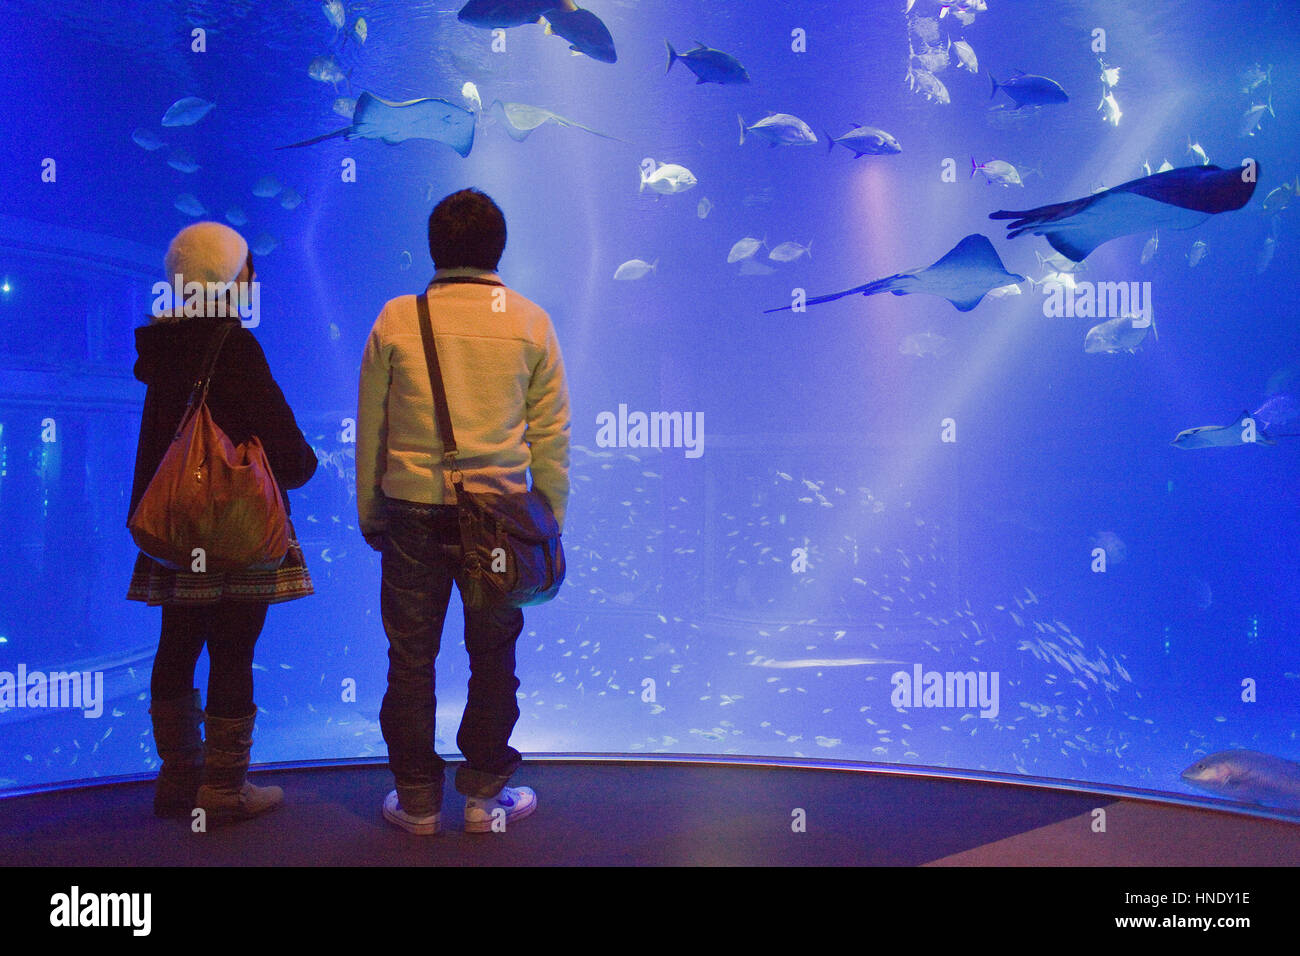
[{"x": 652, "y": 814}]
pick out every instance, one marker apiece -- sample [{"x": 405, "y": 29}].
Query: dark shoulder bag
[{"x": 512, "y": 555}]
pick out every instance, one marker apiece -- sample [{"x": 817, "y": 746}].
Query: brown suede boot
[
  {"x": 178, "y": 742},
  {"x": 226, "y": 795}
]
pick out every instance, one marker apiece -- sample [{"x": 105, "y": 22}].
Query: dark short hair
[{"x": 467, "y": 231}]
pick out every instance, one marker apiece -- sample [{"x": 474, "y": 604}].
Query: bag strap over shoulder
[
  {"x": 199, "y": 394},
  {"x": 440, "y": 408},
  {"x": 473, "y": 280}
]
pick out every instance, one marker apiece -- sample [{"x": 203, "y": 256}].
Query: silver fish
[
  {"x": 779, "y": 129},
  {"x": 189, "y": 204},
  {"x": 1250, "y": 120},
  {"x": 1123, "y": 334},
  {"x": 1149, "y": 250},
  {"x": 790, "y": 251},
  {"x": 743, "y": 249},
  {"x": 635, "y": 269},
  {"x": 187, "y": 111}
]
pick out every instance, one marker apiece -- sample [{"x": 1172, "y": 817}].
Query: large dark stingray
[
  {"x": 427, "y": 118},
  {"x": 963, "y": 277},
  {"x": 1177, "y": 199}
]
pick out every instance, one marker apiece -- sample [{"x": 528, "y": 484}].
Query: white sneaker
[
  {"x": 421, "y": 825},
  {"x": 517, "y": 802}
]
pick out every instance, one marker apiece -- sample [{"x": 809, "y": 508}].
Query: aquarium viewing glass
[{"x": 963, "y": 525}]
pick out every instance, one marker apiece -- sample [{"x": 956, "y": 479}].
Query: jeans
[
  {"x": 420, "y": 560},
  {"x": 230, "y": 630}
]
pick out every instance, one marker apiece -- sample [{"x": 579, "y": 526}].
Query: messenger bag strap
[
  {"x": 440, "y": 409},
  {"x": 199, "y": 394}
]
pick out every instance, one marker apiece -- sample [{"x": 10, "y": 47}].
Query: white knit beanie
[{"x": 206, "y": 252}]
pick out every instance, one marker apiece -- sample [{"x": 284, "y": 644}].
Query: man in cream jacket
[{"x": 509, "y": 406}]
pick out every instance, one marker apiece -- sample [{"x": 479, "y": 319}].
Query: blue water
[{"x": 820, "y": 434}]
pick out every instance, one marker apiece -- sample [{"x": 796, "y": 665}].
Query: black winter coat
[{"x": 244, "y": 399}]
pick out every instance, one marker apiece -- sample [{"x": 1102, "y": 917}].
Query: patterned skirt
[{"x": 155, "y": 584}]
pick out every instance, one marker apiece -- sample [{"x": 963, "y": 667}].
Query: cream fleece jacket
[{"x": 504, "y": 377}]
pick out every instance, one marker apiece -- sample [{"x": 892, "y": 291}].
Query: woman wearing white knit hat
[{"x": 223, "y": 611}]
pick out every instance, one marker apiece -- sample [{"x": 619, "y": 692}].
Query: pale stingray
[
  {"x": 426, "y": 118},
  {"x": 1177, "y": 199},
  {"x": 964, "y": 276},
  {"x": 521, "y": 119}
]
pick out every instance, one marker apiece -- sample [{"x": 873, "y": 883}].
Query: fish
[
  {"x": 1110, "y": 108},
  {"x": 921, "y": 344},
  {"x": 666, "y": 178},
  {"x": 1149, "y": 250},
  {"x": 1196, "y": 150},
  {"x": 1279, "y": 198},
  {"x": 521, "y": 120},
  {"x": 425, "y": 118},
  {"x": 779, "y": 129},
  {"x": 1123, "y": 334},
  {"x": 333, "y": 11},
  {"x": 146, "y": 139},
  {"x": 187, "y": 111},
  {"x": 405, "y": 260},
  {"x": 930, "y": 85},
  {"x": 790, "y": 251},
  {"x": 1253, "y": 76},
  {"x": 1178, "y": 199},
  {"x": 182, "y": 161},
  {"x": 760, "y": 661},
  {"x": 635, "y": 269},
  {"x": 1003, "y": 116},
  {"x": 703, "y": 207},
  {"x": 469, "y": 93},
  {"x": 1063, "y": 280},
  {"x": 290, "y": 199},
  {"x": 189, "y": 204},
  {"x": 266, "y": 187},
  {"x": 264, "y": 244},
  {"x": 963, "y": 276},
  {"x": 1165, "y": 167},
  {"x": 966, "y": 55},
  {"x": 1026, "y": 89},
  {"x": 1197, "y": 253},
  {"x": 931, "y": 60},
  {"x": 1250, "y": 119},
  {"x": 1265, "y": 255},
  {"x": 709, "y": 65},
  {"x": 235, "y": 216},
  {"x": 360, "y": 30},
  {"x": 1278, "y": 410},
  {"x": 345, "y": 106},
  {"x": 1110, "y": 542},
  {"x": 743, "y": 249},
  {"x": 865, "y": 141},
  {"x": 1247, "y": 776},
  {"x": 996, "y": 171},
  {"x": 1222, "y": 436},
  {"x": 1109, "y": 74},
  {"x": 585, "y": 32},
  {"x": 325, "y": 69}
]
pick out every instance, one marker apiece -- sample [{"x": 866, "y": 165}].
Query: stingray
[
  {"x": 520, "y": 120},
  {"x": 1226, "y": 436},
  {"x": 427, "y": 118},
  {"x": 1177, "y": 199},
  {"x": 963, "y": 277}
]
